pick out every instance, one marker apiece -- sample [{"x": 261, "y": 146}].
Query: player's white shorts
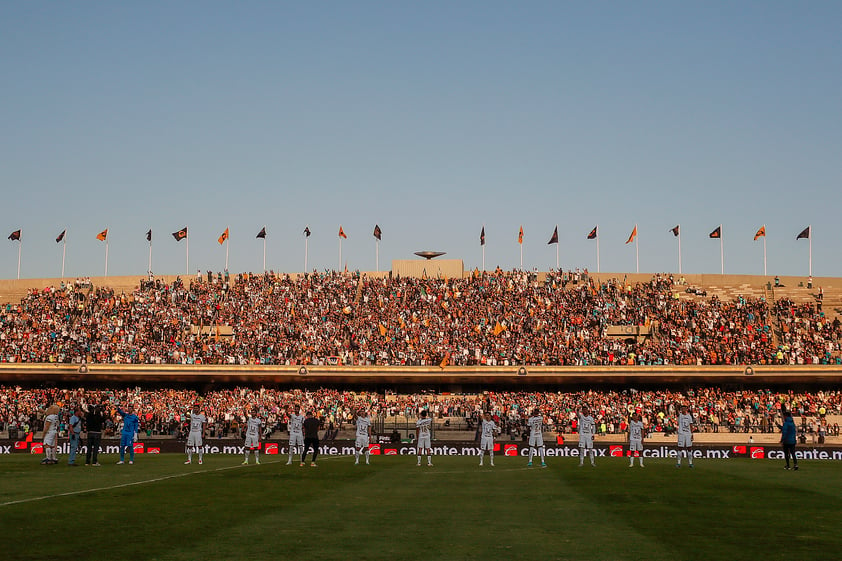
[
  {"x": 586, "y": 442},
  {"x": 486, "y": 443},
  {"x": 362, "y": 442},
  {"x": 296, "y": 439},
  {"x": 50, "y": 438},
  {"x": 685, "y": 440},
  {"x": 194, "y": 439},
  {"x": 636, "y": 445},
  {"x": 424, "y": 442},
  {"x": 536, "y": 440},
  {"x": 252, "y": 441}
]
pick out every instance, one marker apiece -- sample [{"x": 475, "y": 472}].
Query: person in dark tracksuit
[
  {"x": 93, "y": 424},
  {"x": 788, "y": 436},
  {"x": 311, "y": 438}
]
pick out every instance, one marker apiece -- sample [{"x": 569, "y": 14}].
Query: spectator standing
[{"x": 788, "y": 440}]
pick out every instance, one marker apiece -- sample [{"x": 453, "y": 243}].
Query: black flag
[
  {"x": 592, "y": 235},
  {"x": 61, "y": 236},
  {"x": 180, "y": 235},
  {"x": 149, "y": 236},
  {"x": 804, "y": 235},
  {"x": 307, "y": 231},
  {"x": 15, "y": 236},
  {"x": 675, "y": 231},
  {"x": 377, "y": 232},
  {"x": 716, "y": 233},
  {"x": 261, "y": 234},
  {"x": 482, "y": 236},
  {"x": 554, "y": 238}
]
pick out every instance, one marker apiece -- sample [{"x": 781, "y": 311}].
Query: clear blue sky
[{"x": 430, "y": 119}]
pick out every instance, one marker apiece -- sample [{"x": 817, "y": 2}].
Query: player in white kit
[
  {"x": 253, "y": 424},
  {"x": 198, "y": 427},
  {"x": 635, "y": 439},
  {"x": 536, "y": 437},
  {"x": 685, "y": 436},
  {"x": 423, "y": 432},
  {"x": 363, "y": 436},
  {"x": 296, "y": 433},
  {"x": 51, "y": 435},
  {"x": 587, "y": 428},
  {"x": 486, "y": 442}
]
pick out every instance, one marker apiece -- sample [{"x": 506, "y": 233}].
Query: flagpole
[
  {"x": 377, "y": 254},
  {"x": 340, "y": 253},
  {"x": 20, "y": 244},
  {"x": 721, "y": 249},
  {"x": 63, "y": 253},
  {"x": 521, "y": 256},
  {"x": 306, "y": 251},
  {"x": 679, "y": 249},
  {"x": 597, "y": 248},
  {"x": 556, "y": 255},
  {"x": 810, "y": 231},
  {"x": 150, "y": 257},
  {"x": 637, "y": 249},
  {"x": 764, "y": 250},
  {"x": 227, "y": 242},
  {"x": 187, "y": 253},
  {"x": 264, "y": 254},
  {"x": 483, "y": 258},
  {"x": 106, "y": 255}
]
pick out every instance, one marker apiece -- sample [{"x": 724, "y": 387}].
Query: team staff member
[
  {"x": 93, "y": 425},
  {"x": 788, "y": 434},
  {"x": 311, "y": 438},
  {"x": 75, "y": 430}
]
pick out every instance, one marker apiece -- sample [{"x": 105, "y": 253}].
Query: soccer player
[
  {"x": 685, "y": 437},
  {"x": 252, "y": 443},
  {"x": 198, "y": 427},
  {"x": 128, "y": 436},
  {"x": 423, "y": 429},
  {"x": 587, "y": 428},
  {"x": 51, "y": 435},
  {"x": 536, "y": 437},
  {"x": 635, "y": 439},
  {"x": 363, "y": 436},
  {"x": 788, "y": 438},
  {"x": 296, "y": 434},
  {"x": 486, "y": 442}
]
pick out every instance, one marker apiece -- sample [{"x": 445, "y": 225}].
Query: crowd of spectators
[
  {"x": 497, "y": 318},
  {"x": 163, "y": 411}
]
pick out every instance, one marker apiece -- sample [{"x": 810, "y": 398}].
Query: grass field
[{"x": 162, "y": 509}]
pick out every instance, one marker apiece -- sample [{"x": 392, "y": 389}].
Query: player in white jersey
[
  {"x": 685, "y": 436},
  {"x": 296, "y": 433},
  {"x": 423, "y": 431},
  {"x": 363, "y": 436},
  {"x": 635, "y": 439},
  {"x": 198, "y": 427},
  {"x": 51, "y": 435},
  {"x": 253, "y": 424},
  {"x": 486, "y": 442},
  {"x": 536, "y": 436},
  {"x": 587, "y": 428}
]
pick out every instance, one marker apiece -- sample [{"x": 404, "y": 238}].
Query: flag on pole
[
  {"x": 804, "y": 235},
  {"x": 554, "y": 237},
  {"x": 180, "y": 235},
  {"x": 520, "y": 236},
  {"x": 60, "y": 236},
  {"x": 482, "y": 236},
  {"x": 223, "y": 237},
  {"x": 716, "y": 233},
  {"x": 306, "y": 231},
  {"x": 149, "y": 235},
  {"x": 15, "y": 236},
  {"x": 592, "y": 235},
  {"x": 632, "y": 236},
  {"x": 761, "y": 233},
  {"x": 102, "y": 236},
  {"x": 261, "y": 235},
  {"x": 675, "y": 231},
  {"x": 377, "y": 232},
  {"x": 342, "y": 233}
]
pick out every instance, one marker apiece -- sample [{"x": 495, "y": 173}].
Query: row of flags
[
  {"x": 594, "y": 234},
  {"x": 182, "y": 234}
]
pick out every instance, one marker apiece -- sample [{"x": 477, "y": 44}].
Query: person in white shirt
[
  {"x": 587, "y": 428},
  {"x": 198, "y": 427},
  {"x": 635, "y": 439},
  {"x": 252, "y": 443},
  {"x": 486, "y": 443},
  {"x": 536, "y": 437},
  {"x": 363, "y": 436},
  {"x": 423, "y": 430},
  {"x": 685, "y": 437},
  {"x": 51, "y": 435},
  {"x": 296, "y": 432}
]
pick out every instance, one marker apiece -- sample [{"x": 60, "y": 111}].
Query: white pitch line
[{"x": 122, "y": 485}]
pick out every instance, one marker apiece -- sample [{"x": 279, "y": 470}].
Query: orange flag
[
  {"x": 223, "y": 237},
  {"x": 633, "y": 235},
  {"x": 761, "y": 233},
  {"x": 102, "y": 236},
  {"x": 520, "y": 236},
  {"x": 342, "y": 232}
]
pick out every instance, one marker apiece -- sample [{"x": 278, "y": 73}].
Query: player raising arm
[
  {"x": 635, "y": 439},
  {"x": 252, "y": 443},
  {"x": 363, "y": 436},
  {"x": 198, "y": 427},
  {"x": 685, "y": 437},
  {"x": 536, "y": 436},
  {"x": 423, "y": 430},
  {"x": 296, "y": 432},
  {"x": 489, "y": 428},
  {"x": 587, "y": 428}
]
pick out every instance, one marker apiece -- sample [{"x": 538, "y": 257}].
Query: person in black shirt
[
  {"x": 94, "y": 421},
  {"x": 311, "y": 438}
]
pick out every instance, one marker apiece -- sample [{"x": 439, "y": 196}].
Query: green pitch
[{"x": 162, "y": 509}]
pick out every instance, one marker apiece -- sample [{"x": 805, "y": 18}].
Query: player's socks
[
  {"x": 531, "y": 453},
  {"x": 541, "y": 452},
  {"x": 367, "y": 455},
  {"x": 631, "y": 461},
  {"x": 593, "y": 457},
  {"x": 429, "y": 460},
  {"x": 419, "y": 460},
  {"x": 201, "y": 454},
  {"x": 356, "y": 455},
  {"x": 189, "y": 455},
  {"x": 491, "y": 456}
]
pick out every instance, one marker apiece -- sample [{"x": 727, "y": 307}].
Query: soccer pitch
[{"x": 162, "y": 509}]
